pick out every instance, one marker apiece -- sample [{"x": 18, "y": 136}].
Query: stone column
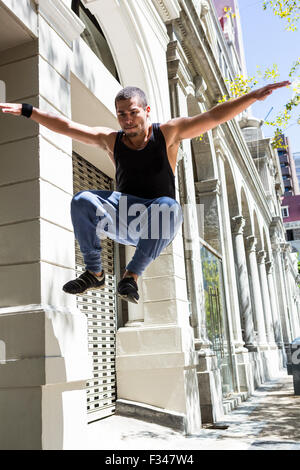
[
  {"x": 256, "y": 291},
  {"x": 243, "y": 282},
  {"x": 274, "y": 306},
  {"x": 261, "y": 256}
]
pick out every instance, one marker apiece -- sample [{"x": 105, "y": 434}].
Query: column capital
[
  {"x": 238, "y": 224},
  {"x": 269, "y": 267},
  {"x": 261, "y": 256},
  {"x": 251, "y": 242}
]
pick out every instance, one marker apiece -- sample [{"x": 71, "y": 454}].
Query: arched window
[{"x": 94, "y": 37}]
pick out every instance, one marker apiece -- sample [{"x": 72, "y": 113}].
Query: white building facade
[{"x": 218, "y": 308}]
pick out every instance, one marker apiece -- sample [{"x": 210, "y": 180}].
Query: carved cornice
[{"x": 238, "y": 224}]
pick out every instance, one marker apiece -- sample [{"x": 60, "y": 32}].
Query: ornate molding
[
  {"x": 205, "y": 7},
  {"x": 168, "y": 9},
  {"x": 64, "y": 20},
  {"x": 275, "y": 227},
  {"x": 261, "y": 256},
  {"x": 275, "y": 246},
  {"x": 219, "y": 141},
  {"x": 285, "y": 247},
  {"x": 200, "y": 88},
  {"x": 251, "y": 242},
  {"x": 269, "y": 267}
]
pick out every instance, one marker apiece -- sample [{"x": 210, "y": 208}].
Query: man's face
[{"x": 132, "y": 116}]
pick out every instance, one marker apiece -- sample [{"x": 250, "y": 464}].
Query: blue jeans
[{"x": 148, "y": 224}]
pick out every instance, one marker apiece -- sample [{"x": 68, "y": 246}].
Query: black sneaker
[
  {"x": 128, "y": 290},
  {"x": 84, "y": 282}
]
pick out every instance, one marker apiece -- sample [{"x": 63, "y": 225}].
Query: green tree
[{"x": 290, "y": 11}]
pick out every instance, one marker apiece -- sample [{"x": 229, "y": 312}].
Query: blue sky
[{"x": 267, "y": 42}]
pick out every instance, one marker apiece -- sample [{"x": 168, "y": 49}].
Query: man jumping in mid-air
[{"x": 144, "y": 156}]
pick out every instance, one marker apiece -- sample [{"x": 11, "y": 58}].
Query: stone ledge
[
  {"x": 151, "y": 414},
  {"x": 234, "y": 401}
]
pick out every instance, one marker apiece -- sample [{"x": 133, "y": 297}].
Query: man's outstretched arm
[
  {"x": 190, "y": 127},
  {"x": 95, "y": 136}
]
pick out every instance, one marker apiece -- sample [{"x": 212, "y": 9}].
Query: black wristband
[{"x": 26, "y": 110}]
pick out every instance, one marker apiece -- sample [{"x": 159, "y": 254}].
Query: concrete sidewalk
[{"x": 270, "y": 419}]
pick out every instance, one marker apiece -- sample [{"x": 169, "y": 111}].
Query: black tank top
[{"x": 147, "y": 172}]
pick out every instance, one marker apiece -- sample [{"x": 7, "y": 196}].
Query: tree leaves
[{"x": 287, "y": 9}]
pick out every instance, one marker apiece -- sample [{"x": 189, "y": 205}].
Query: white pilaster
[{"x": 256, "y": 291}]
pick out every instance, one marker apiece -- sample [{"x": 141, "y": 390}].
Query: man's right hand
[{"x": 11, "y": 108}]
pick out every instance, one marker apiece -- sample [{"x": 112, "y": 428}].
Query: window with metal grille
[{"x": 98, "y": 306}]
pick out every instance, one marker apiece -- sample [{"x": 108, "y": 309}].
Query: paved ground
[{"x": 270, "y": 419}]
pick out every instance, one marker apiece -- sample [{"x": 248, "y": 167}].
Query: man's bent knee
[
  {"x": 166, "y": 217},
  {"x": 80, "y": 199}
]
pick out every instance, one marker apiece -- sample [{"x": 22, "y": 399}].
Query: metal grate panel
[{"x": 98, "y": 306}]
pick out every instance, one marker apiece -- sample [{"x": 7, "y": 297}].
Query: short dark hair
[{"x": 130, "y": 92}]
